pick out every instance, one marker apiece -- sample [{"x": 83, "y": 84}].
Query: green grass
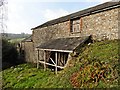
[
  {"x": 24, "y": 76},
  {"x": 16, "y": 40},
  {"x": 28, "y": 76}
]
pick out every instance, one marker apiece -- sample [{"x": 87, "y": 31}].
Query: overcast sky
[{"x": 26, "y": 14}]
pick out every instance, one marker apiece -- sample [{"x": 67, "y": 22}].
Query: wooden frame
[
  {"x": 76, "y": 25},
  {"x": 52, "y": 65},
  {"x": 44, "y": 60},
  {"x": 56, "y": 62},
  {"x": 45, "y": 63},
  {"x": 38, "y": 59},
  {"x": 69, "y": 51}
]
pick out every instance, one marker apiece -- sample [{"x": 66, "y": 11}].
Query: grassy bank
[
  {"x": 16, "y": 40},
  {"x": 96, "y": 66}
]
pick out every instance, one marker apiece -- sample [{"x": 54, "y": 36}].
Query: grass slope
[
  {"x": 103, "y": 54},
  {"x": 17, "y": 40}
]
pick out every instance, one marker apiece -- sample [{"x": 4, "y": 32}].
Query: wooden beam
[
  {"x": 59, "y": 58},
  {"x": 52, "y": 61},
  {"x": 44, "y": 60},
  {"x": 38, "y": 60},
  {"x": 56, "y": 62},
  {"x": 69, "y": 51},
  {"x": 50, "y": 64}
]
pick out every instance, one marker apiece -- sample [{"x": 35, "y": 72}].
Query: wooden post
[
  {"x": 44, "y": 60},
  {"x": 56, "y": 62},
  {"x": 64, "y": 58},
  {"x": 38, "y": 60}
]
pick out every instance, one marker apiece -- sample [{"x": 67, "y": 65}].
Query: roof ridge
[{"x": 81, "y": 13}]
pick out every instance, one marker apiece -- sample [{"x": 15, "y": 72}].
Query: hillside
[
  {"x": 15, "y": 36},
  {"x": 96, "y": 66}
]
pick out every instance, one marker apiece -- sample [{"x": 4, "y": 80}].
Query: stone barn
[{"x": 52, "y": 42}]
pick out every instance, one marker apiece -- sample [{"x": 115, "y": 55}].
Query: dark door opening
[{"x": 61, "y": 59}]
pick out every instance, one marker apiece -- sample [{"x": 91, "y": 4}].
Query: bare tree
[{"x": 3, "y": 16}]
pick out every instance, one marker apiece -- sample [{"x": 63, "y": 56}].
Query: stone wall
[
  {"x": 103, "y": 25},
  {"x": 42, "y": 35},
  {"x": 28, "y": 52},
  {"x": 45, "y": 34}
]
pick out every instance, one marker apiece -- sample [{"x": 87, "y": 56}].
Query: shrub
[{"x": 9, "y": 52}]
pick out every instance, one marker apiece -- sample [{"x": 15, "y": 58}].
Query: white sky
[{"x": 26, "y": 14}]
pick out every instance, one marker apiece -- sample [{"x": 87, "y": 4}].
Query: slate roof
[
  {"x": 63, "y": 44},
  {"x": 28, "y": 39},
  {"x": 89, "y": 11}
]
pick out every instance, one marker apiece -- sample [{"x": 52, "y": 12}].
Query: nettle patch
[
  {"x": 97, "y": 74},
  {"x": 98, "y": 66}
]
